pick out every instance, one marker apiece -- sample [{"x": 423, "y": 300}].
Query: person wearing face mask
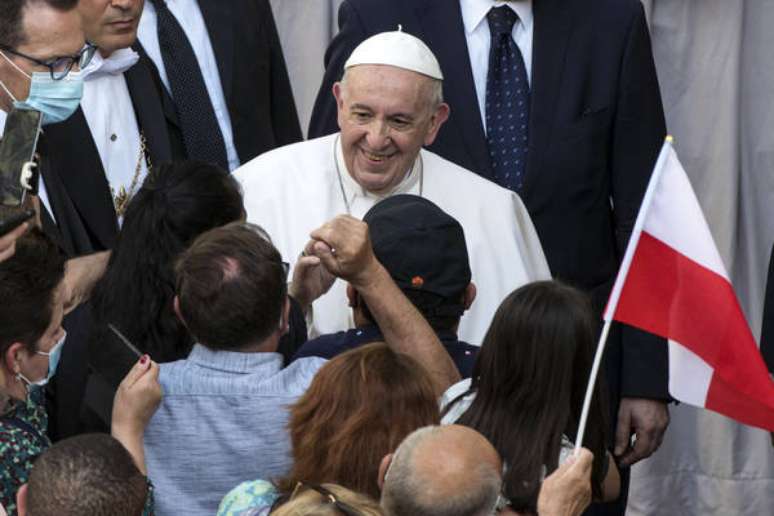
[{"x": 34, "y": 290}]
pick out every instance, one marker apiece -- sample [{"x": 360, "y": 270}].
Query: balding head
[{"x": 443, "y": 471}]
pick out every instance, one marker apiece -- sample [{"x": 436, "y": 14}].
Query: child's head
[
  {"x": 530, "y": 378},
  {"x": 88, "y": 474}
]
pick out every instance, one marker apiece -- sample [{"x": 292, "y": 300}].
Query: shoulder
[
  {"x": 441, "y": 173},
  {"x": 460, "y": 405},
  {"x": 332, "y": 344},
  {"x": 300, "y": 373},
  {"x": 289, "y": 162},
  {"x": 248, "y": 498}
]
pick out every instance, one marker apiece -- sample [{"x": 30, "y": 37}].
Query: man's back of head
[
  {"x": 231, "y": 289},
  {"x": 442, "y": 471},
  {"x": 424, "y": 250},
  {"x": 88, "y": 474}
]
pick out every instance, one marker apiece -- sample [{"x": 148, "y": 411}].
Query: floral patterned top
[
  {"x": 252, "y": 498},
  {"x": 23, "y": 428}
]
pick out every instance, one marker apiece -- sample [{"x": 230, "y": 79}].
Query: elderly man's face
[
  {"x": 111, "y": 24},
  {"x": 48, "y": 34},
  {"x": 385, "y": 115}
]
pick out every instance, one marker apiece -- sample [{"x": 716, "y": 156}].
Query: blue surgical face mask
[
  {"x": 53, "y": 361},
  {"x": 56, "y": 100}
]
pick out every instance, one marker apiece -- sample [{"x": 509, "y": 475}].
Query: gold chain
[{"x": 121, "y": 200}]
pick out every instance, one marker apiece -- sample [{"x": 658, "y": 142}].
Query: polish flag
[{"x": 672, "y": 283}]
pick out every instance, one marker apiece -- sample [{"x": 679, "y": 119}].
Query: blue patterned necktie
[
  {"x": 507, "y": 101},
  {"x": 201, "y": 133}
]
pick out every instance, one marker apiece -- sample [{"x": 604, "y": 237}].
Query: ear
[
  {"x": 469, "y": 296},
  {"x": 176, "y": 308},
  {"x": 21, "y": 500},
  {"x": 383, "y": 467},
  {"x": 352, "y": 296},
  {"x": 338, "y": 93},
  {"x": 285, "y": 319},
  {"x": 439, "y": 117},
  {"x": 11, "y": 357}
]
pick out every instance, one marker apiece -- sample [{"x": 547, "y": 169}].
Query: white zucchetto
[{"x": 399, "y": 49}]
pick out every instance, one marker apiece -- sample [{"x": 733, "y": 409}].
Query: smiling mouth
[{"x": 376, "y": 157}]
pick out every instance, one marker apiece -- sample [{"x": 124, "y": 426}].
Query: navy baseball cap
[{"x": 422, "y": 247}]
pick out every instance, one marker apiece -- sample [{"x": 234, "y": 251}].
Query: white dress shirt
[
  {"x": 479, "y": 40},
  {"x": 190, "y": 18},
  {"x": 109, "y": 111}
]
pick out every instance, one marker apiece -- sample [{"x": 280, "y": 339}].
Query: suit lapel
[
  {"x": 149, "y": 111},
  {"x": 219, "y": 19},
  {"x": 549, "y": 44},
  {"x": 167, "y": 103},
  {"x": 442, "y": 27},
  {"x": 76, "y": 159}
]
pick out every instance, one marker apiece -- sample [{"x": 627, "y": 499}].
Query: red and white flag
[{"x": 672, "y": 283}]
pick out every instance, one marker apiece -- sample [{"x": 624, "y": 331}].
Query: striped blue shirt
[{"x": 222, "y": 421}]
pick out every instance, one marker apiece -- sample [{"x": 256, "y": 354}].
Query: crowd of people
[{"x": 396, "y": 316}]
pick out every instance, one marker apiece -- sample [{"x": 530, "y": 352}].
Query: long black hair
[
  {"x": 176, "y": 203},
  {"x": 530, "y": 379}
]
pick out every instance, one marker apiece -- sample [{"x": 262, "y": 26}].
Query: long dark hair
[
  {"x": 530, "y": 378},
  {"x": 177, "y": 202}
]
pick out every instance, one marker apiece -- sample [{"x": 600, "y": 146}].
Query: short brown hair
[
  {"x": 359, "y": 407},
  {"x": 231, "y": 286}
]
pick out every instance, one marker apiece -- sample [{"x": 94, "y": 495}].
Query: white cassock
[{"x": 295, "y": 189}]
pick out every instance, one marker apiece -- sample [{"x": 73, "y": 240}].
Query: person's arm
[
  {"x": 81, "y": 274},
  {"x": 611, "y": 484},
  {"x": 638, "y": 132},
  {"x": 567, "y": 491},
  {"x": 344, "y": 248},
  {"x": 137, "y": 398}
]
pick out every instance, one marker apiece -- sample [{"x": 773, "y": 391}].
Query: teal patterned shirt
[
  {"x": 253, "y": 498},
  {"x": 23, "y": 428}
]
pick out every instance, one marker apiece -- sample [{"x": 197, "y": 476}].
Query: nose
[
  {"x": 122, "y": 4},
  {"x": 378, "y": 136}
]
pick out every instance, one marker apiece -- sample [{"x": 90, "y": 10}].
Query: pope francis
[{"x": 390, "y": 105}]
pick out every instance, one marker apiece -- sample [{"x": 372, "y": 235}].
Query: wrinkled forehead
[
  {"x": 387, "y": 85},
  {"x": 49, "y": 33}
]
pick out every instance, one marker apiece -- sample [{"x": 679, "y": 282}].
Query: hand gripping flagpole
[{"x": 615, "y": 294}]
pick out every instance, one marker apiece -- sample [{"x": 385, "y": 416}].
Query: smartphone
[
  {"x": 14, "y": 221},
  {"x": 17, "y": 150}
]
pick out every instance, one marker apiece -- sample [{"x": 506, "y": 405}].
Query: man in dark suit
[
  {"x": 235, "y": 100},
  {"x": 97, "y": 160},
  {"x": 595, "y": 126}
]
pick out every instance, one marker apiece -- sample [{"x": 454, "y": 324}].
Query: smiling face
[
  {"x": 386, "y": 114},
  {"x": 111, "y": 24}
]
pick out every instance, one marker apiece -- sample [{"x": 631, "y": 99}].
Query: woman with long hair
[
  {"x": 359, "y": 407},
  {"x": 177, "y": 202},
  {"x": 527, "y": 390}
]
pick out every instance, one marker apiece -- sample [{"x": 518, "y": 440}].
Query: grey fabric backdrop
[{"x": 715, "y": 61}]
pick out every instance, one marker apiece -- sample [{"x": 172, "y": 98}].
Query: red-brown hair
[{"x": 359, "y": 408}]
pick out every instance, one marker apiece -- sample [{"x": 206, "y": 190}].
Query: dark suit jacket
[
  {"x": 767, "y": 331},
  {"x": 80, "y": 198},
  {"x": 253, "y": 75},
  {"x": 596, "y": 127}
]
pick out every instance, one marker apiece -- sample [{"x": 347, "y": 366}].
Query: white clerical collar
[
  {"x": 474, "y": 12},
  {"x": 352, "y": 189},
  {"x": 118, "y": 62}
]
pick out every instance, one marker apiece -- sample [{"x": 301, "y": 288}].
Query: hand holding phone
[{"x": 10, "y": 230}]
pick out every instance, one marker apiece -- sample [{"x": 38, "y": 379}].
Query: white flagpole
[{"x": 615, "y": 294}]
